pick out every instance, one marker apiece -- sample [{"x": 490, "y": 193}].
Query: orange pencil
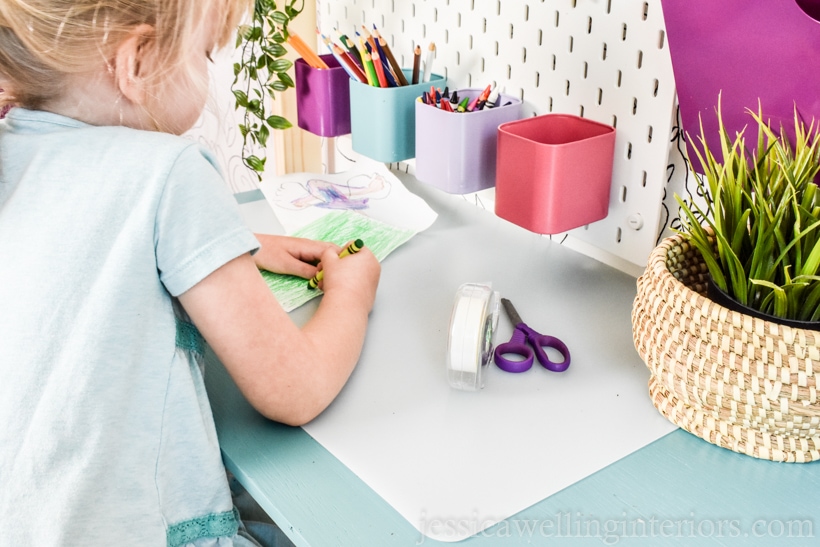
[{"x": 305, "y": 52}]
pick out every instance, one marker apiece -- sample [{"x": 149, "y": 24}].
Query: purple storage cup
[
  {"x": 323, "y": 98},
  {"x": 456, "y": 151}
]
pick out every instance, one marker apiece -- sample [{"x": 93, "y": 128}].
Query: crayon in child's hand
[{"x": 353, "y": 248}]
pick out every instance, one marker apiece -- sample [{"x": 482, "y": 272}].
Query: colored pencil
[
  {"x": 309, "y": 56},
  {"x": 416, "y": 63},
  {"x": 400, "y": 77}
]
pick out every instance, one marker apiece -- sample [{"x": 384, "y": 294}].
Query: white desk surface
[{"x": 678, "y": 490}]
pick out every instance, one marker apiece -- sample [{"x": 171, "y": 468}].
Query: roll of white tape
[{"x": 470, "y": 347}]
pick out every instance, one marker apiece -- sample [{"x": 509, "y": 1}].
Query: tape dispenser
[{"x": 470, "y": 345}]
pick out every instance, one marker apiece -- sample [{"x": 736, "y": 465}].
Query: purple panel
[{"x": 744, "y": 50}]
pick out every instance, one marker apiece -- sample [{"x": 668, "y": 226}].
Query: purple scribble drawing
[{"x": 354, "y": 194}]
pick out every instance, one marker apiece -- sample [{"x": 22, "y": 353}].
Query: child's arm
[{"x": 288, "y": 374}]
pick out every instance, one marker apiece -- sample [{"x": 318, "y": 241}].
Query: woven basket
[{"x": 739, "y": 382}]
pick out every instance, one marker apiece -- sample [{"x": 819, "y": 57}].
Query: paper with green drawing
[{"x": 367, "y": 202}]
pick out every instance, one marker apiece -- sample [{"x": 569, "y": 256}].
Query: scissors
[{"x": 528, "y": 343}]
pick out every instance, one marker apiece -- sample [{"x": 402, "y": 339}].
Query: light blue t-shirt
[{"x": 106, "y": 434}]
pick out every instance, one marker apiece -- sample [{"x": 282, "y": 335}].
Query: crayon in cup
[{"x": 353, "y": 248}]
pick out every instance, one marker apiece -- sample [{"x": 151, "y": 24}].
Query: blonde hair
[{"x": 43, "y": 41}]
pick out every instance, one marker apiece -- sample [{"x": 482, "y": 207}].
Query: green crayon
[{"x": 353, "y": 248}]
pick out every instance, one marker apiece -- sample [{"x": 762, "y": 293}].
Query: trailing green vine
[{"x": 260, "y": 73}]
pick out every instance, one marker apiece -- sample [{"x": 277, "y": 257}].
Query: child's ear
[{"x": 132, "y": 63}]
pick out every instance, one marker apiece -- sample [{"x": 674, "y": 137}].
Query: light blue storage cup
[
  {"x": 383, "y": 119},
  {"x": 456, "y": 151}
]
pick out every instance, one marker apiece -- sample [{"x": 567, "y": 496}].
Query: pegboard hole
[
  {"x": 645, "y": 11},
  {"x": 623, "y": 32},
  {"x": 618, "y": 234},
  {"x": 571, "y": 43},
  {"x": 649, "y": 134},
  {"x": 586, "y": 70},
  {"x": 661, "y": 39},
  {"x": 655, "y": 88},
  {"x": 603, "y": 53},
  {"x": 600, "y": 95},
  {"x": 643, "y": 180},
  {"x": 629, "y": 150},
  {"x": 640, "y": 58},
  {"x": 623, "y": 194}
]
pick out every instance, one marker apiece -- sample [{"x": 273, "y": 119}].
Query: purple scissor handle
[{"x": 528, "y": 344}]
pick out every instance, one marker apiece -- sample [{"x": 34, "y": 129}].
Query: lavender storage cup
[{"x": 456, "y": 151}]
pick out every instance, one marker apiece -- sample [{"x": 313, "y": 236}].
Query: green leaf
[
  {"x": 280, "y": 65},
  {"x": 241, "y": 98},
  {"x": 285, "y": 79},
  {"x": 278, "y": 122},
  {"x": 275, "y": 50},
  {"x": 262, "y": 136},
  {"x": 255, "y": 163},
  {"x": 277, "y": 85},
  {"x": 280, "y": 17}
]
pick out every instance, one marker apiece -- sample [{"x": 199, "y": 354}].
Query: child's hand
[
  {"x": 291, "y": 255},
  {"x": 356, "y": 276}
]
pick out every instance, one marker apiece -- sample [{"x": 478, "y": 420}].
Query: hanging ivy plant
[{"x": 260, "y": 73}]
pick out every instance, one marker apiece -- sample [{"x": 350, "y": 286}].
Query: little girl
[{"x": 116, "y": 237}]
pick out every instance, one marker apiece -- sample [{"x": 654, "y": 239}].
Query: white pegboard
[{"x": 606, "y": 60}]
